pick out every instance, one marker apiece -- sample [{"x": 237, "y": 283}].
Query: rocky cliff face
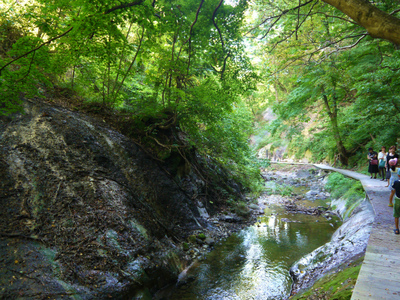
[{"x": 84, "y": 212}]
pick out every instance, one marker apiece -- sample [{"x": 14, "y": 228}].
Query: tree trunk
[
  {"x": 378, "y": 23},
  {"x": 343, "y": 155}
]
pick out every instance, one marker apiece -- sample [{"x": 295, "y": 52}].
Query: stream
[
  {"x": 301, "y": 235},
  {"x": 255, "y": 263}
]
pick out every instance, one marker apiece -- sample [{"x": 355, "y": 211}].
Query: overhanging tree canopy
[
  {"x": 322, "y": 66},
  {"x": 377, "y": 22},
  {"x": 166, "y": 65}
]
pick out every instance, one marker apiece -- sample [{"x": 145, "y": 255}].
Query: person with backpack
[{"x": 373, "y": 162}]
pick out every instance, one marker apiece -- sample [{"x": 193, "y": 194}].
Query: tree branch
[
  {"x": 335, "y": 17},
  {"x": 280, "y": 16},
  {"x": 123, "y": 5},
  {"x": 305, "y": 18},
  {"x": 353, "y": 45},
  {"x": 130, "y": 66},
  {"x": 272, "y": 25},
  {"x": 322, "y": 48},
  {"x": 326, "y": 103},
  {"x": 379, "y": 24},
  {"x": 29, "y": 70},
  {"x": 281, "y": 41},
  {"x": 122, "y": 57},
  {"x": 395, "y": 12},
  {"x": 35, "y": 49},
  {"x": 224, "y": 65},
  {"x": 215, "y": 24},
  {"x": 298, "y": 20},
  {"x": 190, "y": 33}
]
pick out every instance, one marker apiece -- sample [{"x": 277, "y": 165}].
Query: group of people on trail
[
  {"x": 388, "y": 167},
  {"x": 383, "y": 163}
]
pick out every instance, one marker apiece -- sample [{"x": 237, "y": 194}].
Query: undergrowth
[{"x": 340, "y": 186}]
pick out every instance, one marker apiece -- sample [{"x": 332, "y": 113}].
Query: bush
[
  {"x": 240, "y": 208},
  {"x": 284, "y": 190},
  {"x": 340, "y": 186}
]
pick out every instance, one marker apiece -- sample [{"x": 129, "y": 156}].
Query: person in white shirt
[{"x": 382, "y": 163}]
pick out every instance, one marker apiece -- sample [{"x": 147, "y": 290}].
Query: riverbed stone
[
  {"x": 203, "y": 212},
  {"x": 209, "y": 241},
  {"x": 254, "y": 206},
  {"x": 199, "y": 241},
  {"x": 230, "y": 219}
]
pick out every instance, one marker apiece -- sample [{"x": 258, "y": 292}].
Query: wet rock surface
[
  {"x": 349, "y": 241},
  {"x": 254, "y": 264},
  {"x": 86, "y": 213},
  {"x": 286, "y": 179}
]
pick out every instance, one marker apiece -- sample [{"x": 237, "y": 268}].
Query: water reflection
[{"x": 254, "y": 264}]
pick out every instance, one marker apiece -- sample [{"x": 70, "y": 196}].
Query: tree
[
  {"x": 166, "y": 65},
  {"x": 378, "y": 23},
  {"x": 319, "y": 61},
  {"x": 379, "y": 19}
]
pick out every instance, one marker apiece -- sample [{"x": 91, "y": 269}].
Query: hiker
[
  {"x": 382, "y": 163},
  {"x": 396, "y": 208},
  {"x": 394, "y": 169},
  {"x": 392, "y": 154},
  {"x": 373, "y": 162}
]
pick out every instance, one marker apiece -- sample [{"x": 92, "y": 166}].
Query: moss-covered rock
[
  {"x": 185, "y": 246},
  {"x": 192, "y": 238},
  {"x": 201, "y": 236},
  {"x": 337, "y": 285}
]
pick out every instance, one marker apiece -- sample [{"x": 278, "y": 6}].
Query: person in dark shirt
[
  {"x": 373, "y": 162},
  {"x": 396, "y": 207}
]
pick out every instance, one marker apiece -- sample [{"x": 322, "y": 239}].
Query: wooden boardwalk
[{"x": 379, "y": 276}]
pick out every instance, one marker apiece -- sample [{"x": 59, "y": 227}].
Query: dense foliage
[
  {"x": 334, "y": 89},
  {"x": 167, "y": 65},
  {"x": 182, "y": 65}
]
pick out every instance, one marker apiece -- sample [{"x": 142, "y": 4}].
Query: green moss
[
  {"x": 185, "y": 246},
  {"x": 337, "y": 285},
  {"x": 201, "y": 236},
  {"x": 139, "y": 227},
  {"x": 192, "y": 239}
]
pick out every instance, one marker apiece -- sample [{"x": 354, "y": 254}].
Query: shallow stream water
[{"x": 254, "y": 264}]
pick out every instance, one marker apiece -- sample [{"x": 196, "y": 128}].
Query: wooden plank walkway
[{"x": 379, "y": 276}]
